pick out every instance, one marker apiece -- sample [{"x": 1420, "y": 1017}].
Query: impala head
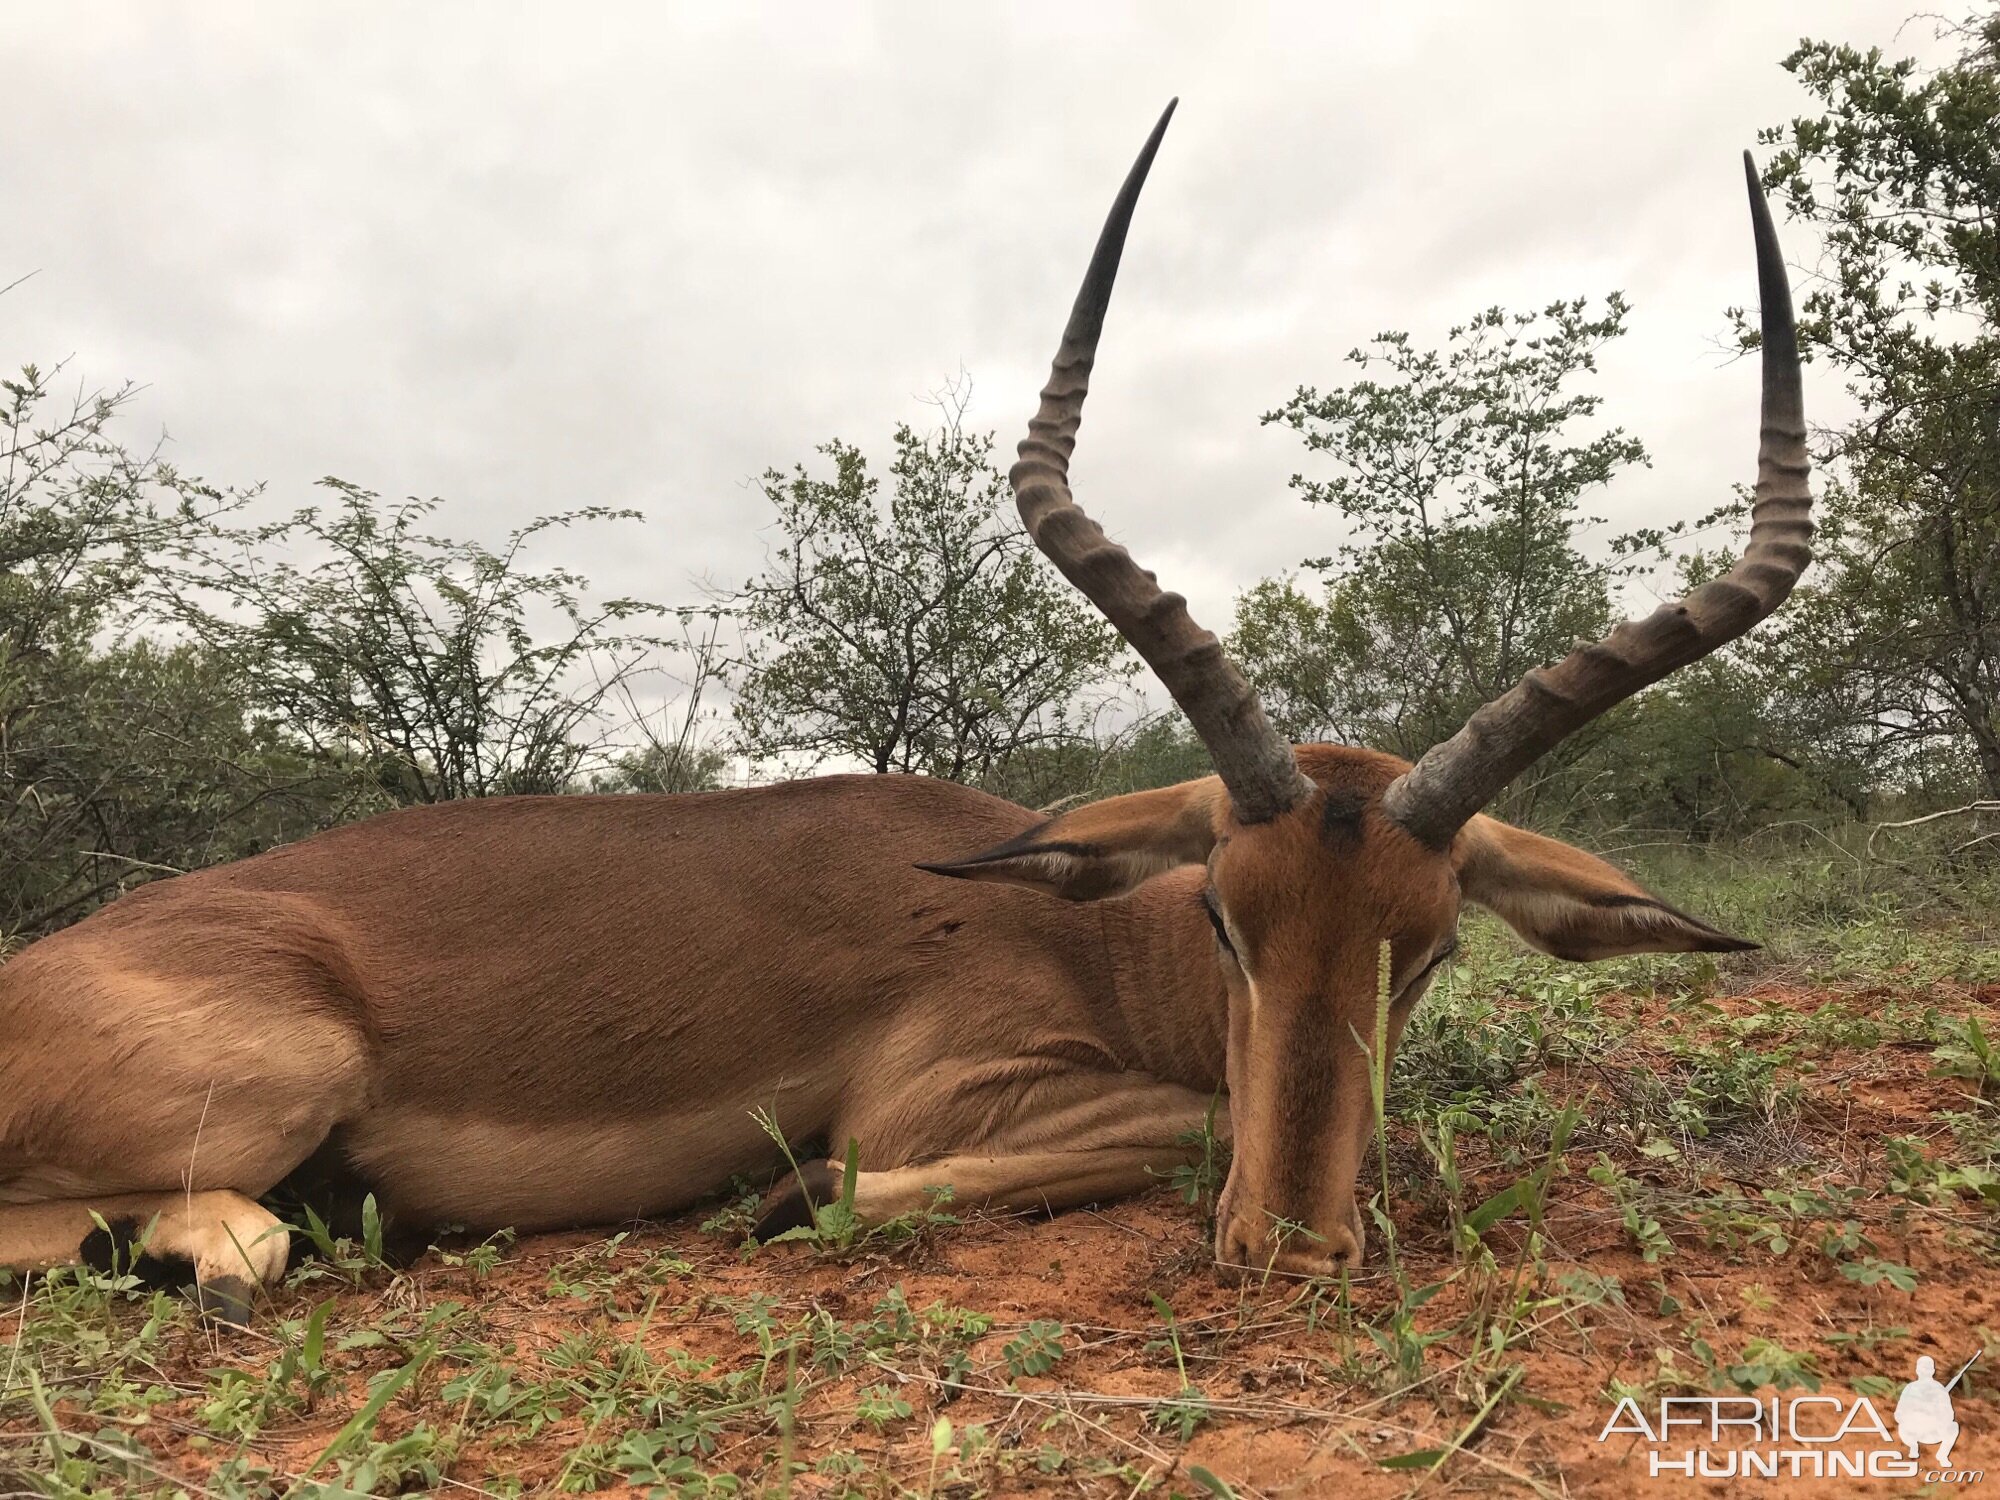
[{"x": 1317, "y": 856}]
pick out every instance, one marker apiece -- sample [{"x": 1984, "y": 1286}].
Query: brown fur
[{"x": 543, "y": 1012}]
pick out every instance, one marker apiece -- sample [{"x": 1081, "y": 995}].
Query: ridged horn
[
  {"x": 1256, "y": 765},
  {"x": 1455, "y": 779}
]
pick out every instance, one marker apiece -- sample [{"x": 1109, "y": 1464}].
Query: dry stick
[
  {"x": 1059, "y": 1401},
  {"x": 126, "y": 859},
  {"x": 1971, "y": 808},
  {"x": 1273, "y": 1409},
  {"x": 460, "y": 1484}
]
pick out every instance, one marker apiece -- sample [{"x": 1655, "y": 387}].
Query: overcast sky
[{"x": 527, "y": 258}]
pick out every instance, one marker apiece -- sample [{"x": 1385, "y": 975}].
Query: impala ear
[
  {"x": 1569, "y": 903},
  {"x": 1105, "y": 848}
]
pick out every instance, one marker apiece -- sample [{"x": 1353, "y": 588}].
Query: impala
[{"x": 559, "y": 1011}]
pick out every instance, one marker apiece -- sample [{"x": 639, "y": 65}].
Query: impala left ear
[
  {"x": 1569, "y": 903},
  {"x": 1105, "y": 848}
]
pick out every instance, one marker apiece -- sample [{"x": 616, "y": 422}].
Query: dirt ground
[{"x": 795, "y": 1357}]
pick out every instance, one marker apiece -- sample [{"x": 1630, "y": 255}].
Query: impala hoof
[
  {"x": 790, "y": 1204},
  {"x": 227, "y": 1300}
]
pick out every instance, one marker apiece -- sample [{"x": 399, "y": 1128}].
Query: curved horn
[
  {"x": 1257, "y": 766},
  {"x": 1454, "y": 780}
]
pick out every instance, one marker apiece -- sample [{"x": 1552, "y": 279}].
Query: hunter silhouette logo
[
  {"x": 1923, "y": 1412},
  {"x": 1820, "y": 1436}
]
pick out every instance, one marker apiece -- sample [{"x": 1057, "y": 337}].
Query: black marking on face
[
  {"x": 1340, "y": 816},
  {"x": 1305, "y": 1106}
]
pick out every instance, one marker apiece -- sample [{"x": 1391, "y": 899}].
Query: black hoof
[
  {"x": 227, "y": 1300},
  {"x": 790, "y": 1204}
]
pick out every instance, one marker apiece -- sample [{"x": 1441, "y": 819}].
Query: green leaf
[
  {"x": 371, "y": 1230},
  {"x": 1423, "y": 1458},
  {"x": 1217, "y": 1487},
  {"x": 315, "y": 1340},
  {"x": 1496, "y": 1208}
]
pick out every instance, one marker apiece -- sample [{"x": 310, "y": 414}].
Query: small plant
[
  {"x": 1968, "y": 1053},
  {"x": 736, "y": 1215},
  {"x": 1915, "y": 1176},
  {"x": 1627, "y": 1193},
  {"x": 1763, "y": 1363},
  {"x": 1199, "y": 1181},
  {"x": 878, "y": 1406},
  {"x": 1869, "y": 1271},
  {"x": 480, "y": 1259},
  {"x": 835, "y": 1225},
  {"x": 1034, "y": 1350},
  {"x": 304, "y": 1363},
  {"x": 343, "y": 1257},
  {"x": 1189, "y": 1407}
]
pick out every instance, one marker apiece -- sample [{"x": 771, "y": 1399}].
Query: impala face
[
  {"x": 1317, "y": 857},
  {"x": 1299, "y": 906}
]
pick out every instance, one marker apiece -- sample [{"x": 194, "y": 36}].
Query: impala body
[{"x": 542, "y": 1012}]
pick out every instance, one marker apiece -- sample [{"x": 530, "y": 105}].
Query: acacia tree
[
  {"x": 120, "y": 759},
  {"x": 1462, "y": 474},
  {"x": 418, "y": 655},
  {"x": 1901, "y": 174},
  {"x": 679, "y": 752},
  {"x": 917, "y": 630}
]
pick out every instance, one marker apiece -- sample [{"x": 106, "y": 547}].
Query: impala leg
[
  {"x": 224, "y": 1243},
  {"x": 1070, "y": 1141}
]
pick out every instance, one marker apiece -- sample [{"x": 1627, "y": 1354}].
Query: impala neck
[{"x": 1167, "y": 983}]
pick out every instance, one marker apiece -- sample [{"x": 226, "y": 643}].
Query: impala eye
[
  {"x": 1214, "y": 910},
  {"x": 1447, "y": 951}
]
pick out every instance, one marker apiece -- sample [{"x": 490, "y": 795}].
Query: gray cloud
[{"x": 532, "y": 257}]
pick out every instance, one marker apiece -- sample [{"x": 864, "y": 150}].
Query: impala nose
[{"x": 1246, "y": 1249}]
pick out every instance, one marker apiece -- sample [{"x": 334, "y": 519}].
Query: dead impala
[{"x": 555, "y": 1011}]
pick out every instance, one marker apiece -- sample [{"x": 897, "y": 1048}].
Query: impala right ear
[{"x": 1105, "y": 848}]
